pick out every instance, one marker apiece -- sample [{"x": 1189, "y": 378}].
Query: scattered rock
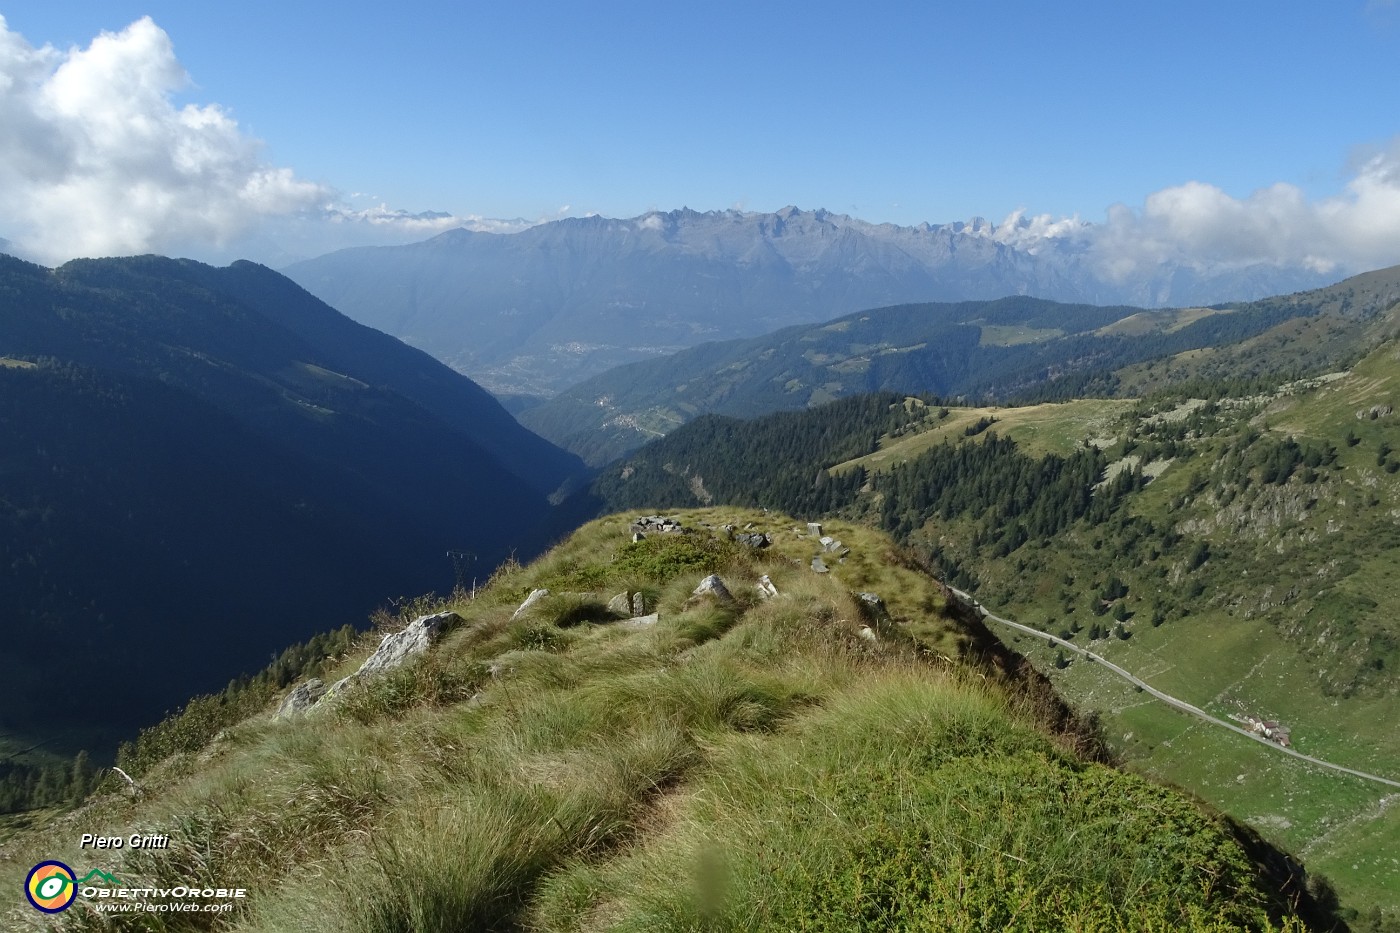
[
  {"x": 656, "y": 524},
  {"x": 641, "y": 621},
  {"x": 814, "y": 528},
  {"x": 639, "y": 605},
  {"x": 303, "y": 696},
  {"x": 714, "y": 587},
  {"x": 534, "y": 597},
  {"x": 621, "y": 605},
  {"x": 819, "y": 565},
  {"x": 868, "y": 634},
  {"x": 754, "y": 540},
  {"x": 638, "y": 536},
  {"x": 765, "y": 587},
  {"x": 1374, "y": 412}
]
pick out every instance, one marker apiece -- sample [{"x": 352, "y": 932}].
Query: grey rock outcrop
[
  {"x": 302, "y": 697},
  {"x": 415, "y": 638},
  {"x": 756, "y": 539},
  {"x": 395, "y": 649},
  {"x": 534, "y": 597}
]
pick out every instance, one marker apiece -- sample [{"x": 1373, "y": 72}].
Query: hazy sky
[{"x": 201, "y": 127}]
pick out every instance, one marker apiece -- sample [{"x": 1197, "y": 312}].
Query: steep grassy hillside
[
  {"x": 805, "y": 761},
  {"x": 1277, "y": 601}
]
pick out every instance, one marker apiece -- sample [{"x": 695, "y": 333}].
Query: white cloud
[
  {"x": 1200, "y": 225},
  {"x": 1029, "y": 233},
  {"x": 96, "y": 159}
]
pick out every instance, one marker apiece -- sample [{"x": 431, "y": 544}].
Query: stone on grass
[
  {"x": 875, "y": 606},
  {"x": 534, "y": 597},
  {"x": 714, "y": 587},
  {"x": 765, "y": 587}
]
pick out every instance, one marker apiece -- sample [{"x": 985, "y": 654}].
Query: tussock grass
[
  {"x": 915, "y": 804},
  {"x": 745, "y": 765}
]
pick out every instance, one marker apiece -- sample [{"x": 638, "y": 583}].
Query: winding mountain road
[{"x": 1165, "y": 697}]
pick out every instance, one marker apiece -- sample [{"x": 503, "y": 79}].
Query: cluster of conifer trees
[{"x": 778, "y": 461}]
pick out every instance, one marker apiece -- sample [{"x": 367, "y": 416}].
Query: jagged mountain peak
[{"x": 535, "y": 311}]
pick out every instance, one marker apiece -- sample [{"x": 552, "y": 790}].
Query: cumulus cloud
[
  {"x": 1200, "y": 225},
  {"x": 96, "y": 158}
]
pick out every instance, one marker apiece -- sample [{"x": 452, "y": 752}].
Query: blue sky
[{"x": 893, "y": 112}]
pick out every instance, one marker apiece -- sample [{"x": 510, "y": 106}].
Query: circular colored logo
[{"x": 51, "y": 887}]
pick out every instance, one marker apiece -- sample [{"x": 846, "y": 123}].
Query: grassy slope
[
  {"x": 1052, "y": 427},
  {"x": 760, "y": 765},
  {"x": 1245, "y": 646}
]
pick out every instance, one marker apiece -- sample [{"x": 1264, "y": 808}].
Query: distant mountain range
[
  {"x": 535, "y": 311},
  {"x": 999, "y": 350},
  {"x": 203, "y": 465}
]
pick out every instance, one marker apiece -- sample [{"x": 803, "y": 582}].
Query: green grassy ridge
[{"x": 755, "y": 765}]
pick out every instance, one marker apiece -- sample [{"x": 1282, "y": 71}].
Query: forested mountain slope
[
  {"x": 203, "y": 465},
  {"x": 1008, "y": 349}
]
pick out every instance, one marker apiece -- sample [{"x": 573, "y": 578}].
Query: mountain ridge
[
  {"x": 532, "y": 311},
  {"x": 998, "y": 350}
]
